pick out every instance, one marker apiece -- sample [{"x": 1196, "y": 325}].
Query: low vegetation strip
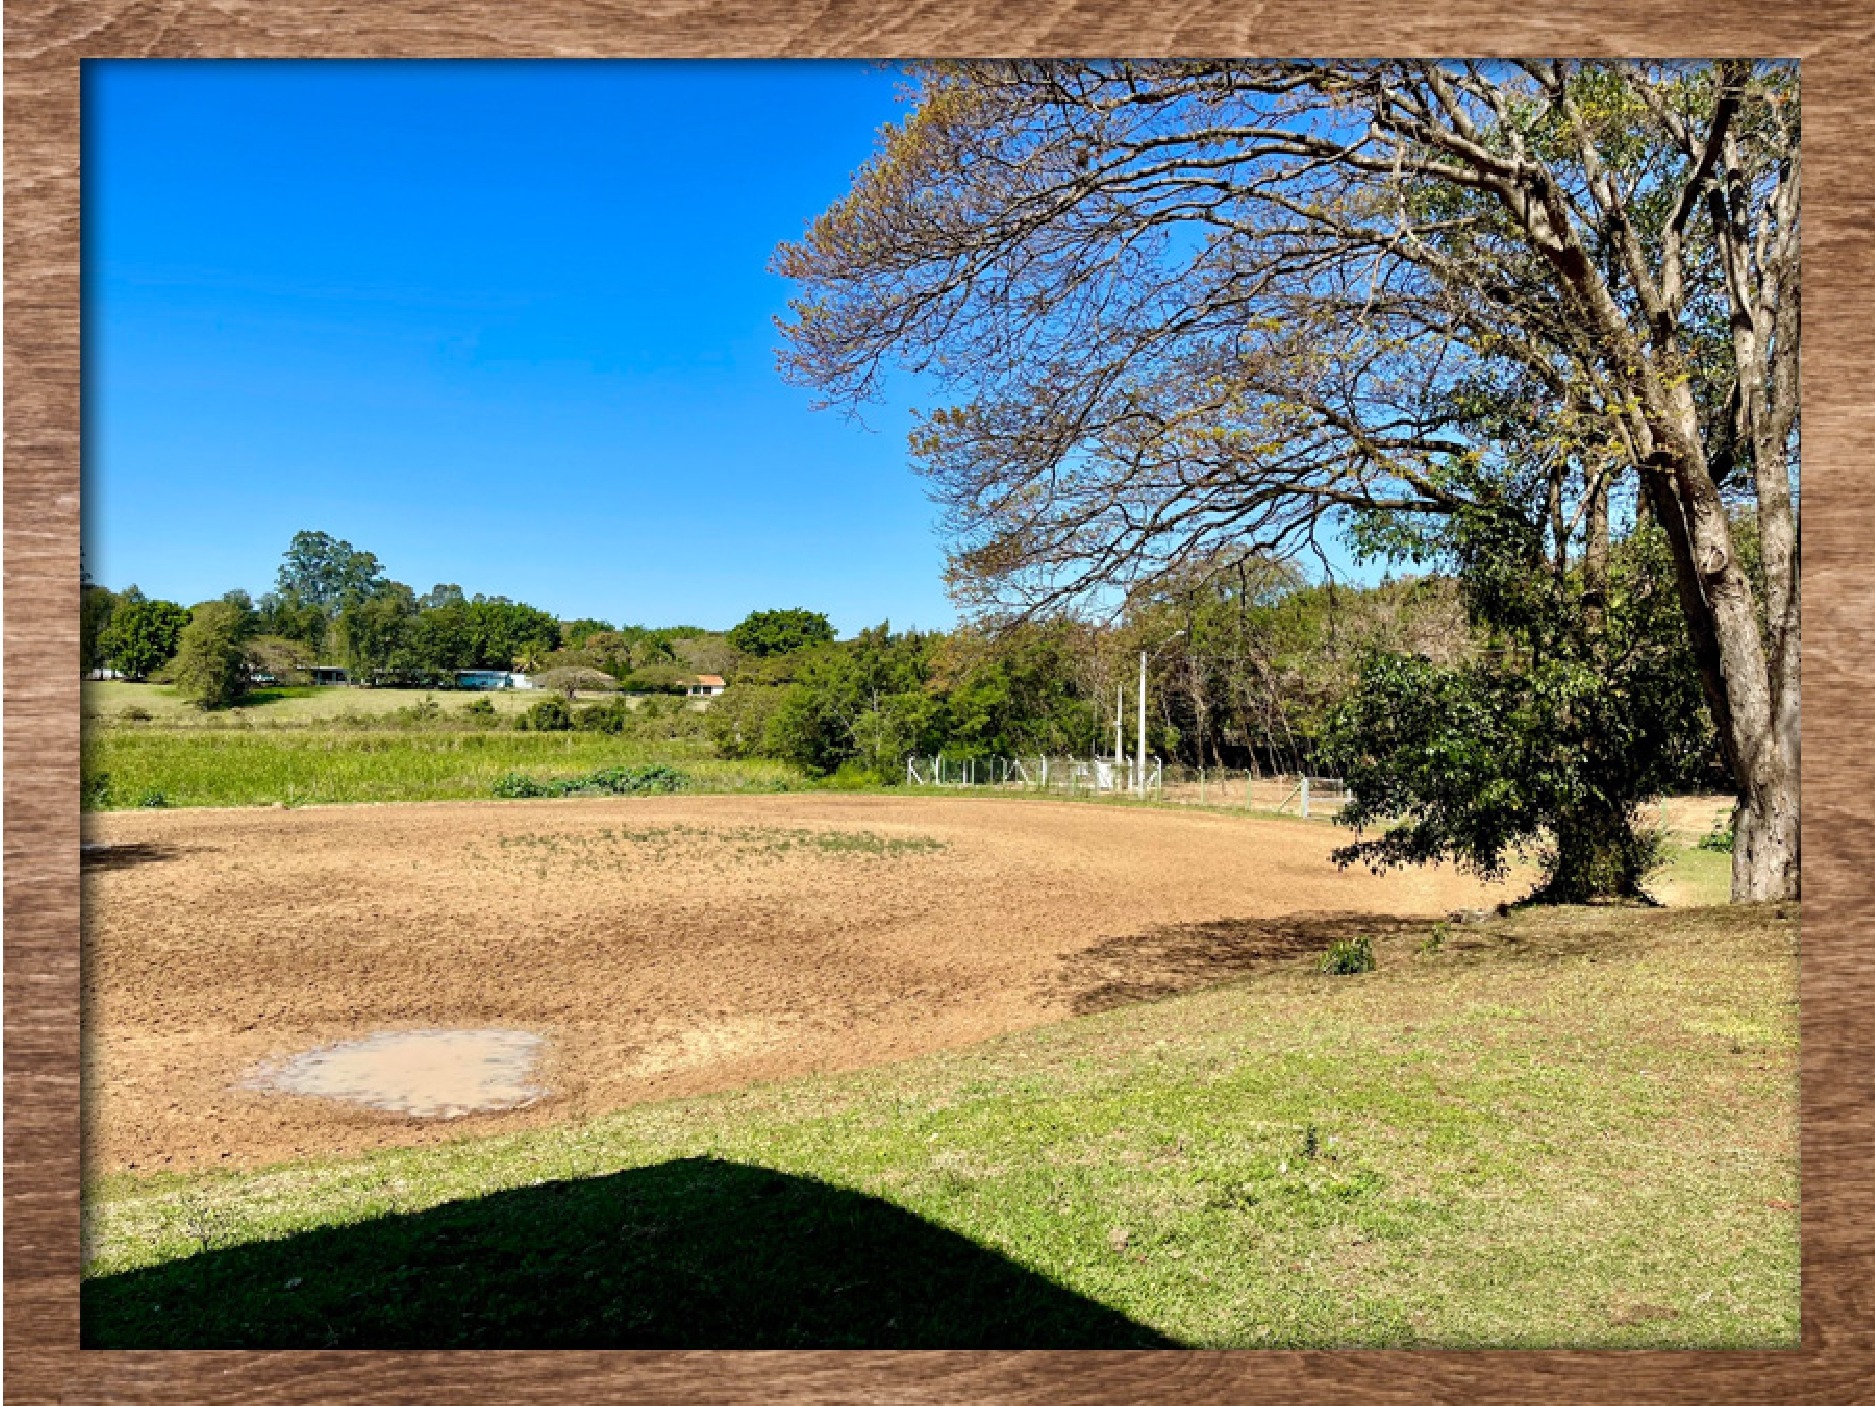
[
  {"x": 652, "y": 779},
  {"x": 1572, "y": 1127}
]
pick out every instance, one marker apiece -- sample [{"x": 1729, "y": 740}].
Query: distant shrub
[
  {"x": 548, "y": 715},
  {"x": 479, "y": 709},
  {"x": 1349, "y": 956},
  {"x": 425, "y": 710},
  {"x": 614, "y": 717},
  {"x": 1719, "y": 838},
  {"x": 136, "y": 713},
  {"x": 853, "y": 776},
  {"x": 653, "y": 779}
]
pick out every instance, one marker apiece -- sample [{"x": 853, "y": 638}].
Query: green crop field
[
  {"x": 1572, "y": 1127},
  {"x": 152, "y": 765}
]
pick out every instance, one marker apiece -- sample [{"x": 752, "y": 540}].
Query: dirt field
[{"x": 662, "y": 946}]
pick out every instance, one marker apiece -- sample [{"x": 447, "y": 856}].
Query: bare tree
[{"x": 1185, "y": 309}]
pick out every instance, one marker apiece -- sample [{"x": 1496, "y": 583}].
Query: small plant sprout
[{"x": 1349, "y": 956}]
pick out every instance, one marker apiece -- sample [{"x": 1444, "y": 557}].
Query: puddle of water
[{"x": 419, "y": 1073}]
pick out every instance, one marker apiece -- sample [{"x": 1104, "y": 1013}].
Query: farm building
[
  {"x": 705, "y": 686},
  {"x": 329, "y": 674},
  {"x": 491, "y": 678}
]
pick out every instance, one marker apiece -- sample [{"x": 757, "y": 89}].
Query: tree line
[{"x": 1477, "y": 708}]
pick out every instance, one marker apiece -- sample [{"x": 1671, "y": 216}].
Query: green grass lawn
[{"x": 1566, "y": 1128}]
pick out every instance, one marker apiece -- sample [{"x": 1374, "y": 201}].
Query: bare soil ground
[{"x": 663, "y": 947}]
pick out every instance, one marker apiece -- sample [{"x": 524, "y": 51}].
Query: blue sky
[{"x": 505, "y": 325}]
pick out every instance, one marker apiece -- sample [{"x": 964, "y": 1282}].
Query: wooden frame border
[{"x": 46, "y": 40}]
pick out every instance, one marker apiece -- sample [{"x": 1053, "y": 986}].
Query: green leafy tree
[
  {"x": 1548, "y": 744},
  {"x": 376, "y": 634},
  {"x": 807, "y": 728},
  {"x": 290, "y": 618},
  {"x": 143, "y": 635},
  {"x": 574, "y": 633},
  {"x": 771, "y": 632},
  {"x": 737, "y": 723},
  {"x": 96, "y": 605},
  {"x": 323, "y": 571},
  {"x": 211, "y": 667}
]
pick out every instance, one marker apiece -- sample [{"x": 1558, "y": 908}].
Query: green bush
[
  {"x": 1349, "y": 956},
  {"x": 548, "y": 715},
  {"x": 479, "y": 709},
  {"x": 425, "y": 710},
  {"x": 652, "y": 779},
  {"x": 136, "y": 714},
  {"x": 614, "y": 717},
  {"x": 1719, "y": 838}
]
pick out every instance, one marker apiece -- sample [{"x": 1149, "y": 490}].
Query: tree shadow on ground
[
  {"x": 95, "y": 856},
  {"x": 696, "y": 1253},
  {"x": 1165, "y": 961}
]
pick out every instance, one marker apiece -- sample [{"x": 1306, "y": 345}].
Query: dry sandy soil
[{"x": 662, "y": 947}]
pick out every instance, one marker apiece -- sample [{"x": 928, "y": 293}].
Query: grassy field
[
  {"x": 1572, "y": 1127},
  {"x": 106, "y": 700},
  {"x": 147, "y": 764}
]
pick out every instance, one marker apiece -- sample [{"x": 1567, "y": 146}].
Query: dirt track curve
[{"x": 662, "y": 946}]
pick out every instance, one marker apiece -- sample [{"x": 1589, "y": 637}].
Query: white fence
[{"x": 1312, "y": 797}]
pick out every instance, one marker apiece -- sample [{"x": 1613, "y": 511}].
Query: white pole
[
  {"x": 1305, "y": 795},
  {"x": 1119, "y": 726},
  {"x": 1139, "y": 786}
]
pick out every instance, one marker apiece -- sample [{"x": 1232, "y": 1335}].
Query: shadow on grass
[
  {"x": 1178, "y": 957},
  {"x": 697, "y": 1253}
]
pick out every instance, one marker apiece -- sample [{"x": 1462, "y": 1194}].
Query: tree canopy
[
  {"x": 143, "y": 634},
  {"x": 1188, "y": 310},
  {"x": 770, "y": 632},
  {"x": 323, "y": 571},
  {"x": 211, "y": 668}
]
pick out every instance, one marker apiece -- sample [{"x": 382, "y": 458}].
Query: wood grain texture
[{"x": 45, "y": 45}]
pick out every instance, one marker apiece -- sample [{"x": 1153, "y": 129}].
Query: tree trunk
[
  {"x": 1758, "y": 724},
  {"x": 1599, "y": 855}
]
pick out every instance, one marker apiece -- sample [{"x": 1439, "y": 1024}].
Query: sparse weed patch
[{"x": 613, "y": 848}]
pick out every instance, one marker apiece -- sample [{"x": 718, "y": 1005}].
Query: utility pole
[
  {"x": 1119, "y": 730},
  {"x": 1139, "y": 782}
]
